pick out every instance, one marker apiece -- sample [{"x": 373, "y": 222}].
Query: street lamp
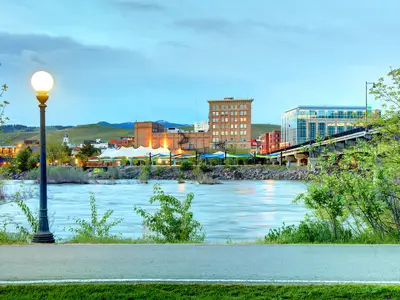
[
  {"x": 42, "y": 82},
  {"x": 366, "y": 103}
]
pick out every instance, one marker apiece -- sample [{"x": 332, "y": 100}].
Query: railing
[{"x": 337, "y": 135}]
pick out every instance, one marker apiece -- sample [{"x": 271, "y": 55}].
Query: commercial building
[
  {"x": 202, "y": 126},
  {"x": 304, "y": 123},
  {"x": 230, "y": 123},
  {"x": 274, "y": 140},
  {"x": 150, "y": 134},
  {"x": 123, "y": 141}
]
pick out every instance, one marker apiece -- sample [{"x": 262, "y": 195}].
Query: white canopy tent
[{"x": 132, "y": 152}]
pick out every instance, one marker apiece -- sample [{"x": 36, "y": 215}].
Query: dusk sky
[{"x": 127, "y": 60}]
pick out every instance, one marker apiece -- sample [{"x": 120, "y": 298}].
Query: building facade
[
  {"x": 123, "y": 141},
  {"x": 230, "y": 123},
  {"x": 274, "y": 140},
  {"x": 149, "y": 134},
  {"x": 305, "y": 123},
  {"x": 202, "y": 126}
]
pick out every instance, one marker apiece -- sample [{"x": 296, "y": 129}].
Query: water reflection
[{"x": 239, "y": 210}]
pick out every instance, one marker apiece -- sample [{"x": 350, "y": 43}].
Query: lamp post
[
  {"x": 42, "y": 83},
  {"x": 366, "y": 103}
]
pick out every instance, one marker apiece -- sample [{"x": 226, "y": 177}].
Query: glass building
[{"x": 304, "y": 123}]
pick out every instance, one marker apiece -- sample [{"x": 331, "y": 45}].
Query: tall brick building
[{"x": 230, "y": 123}]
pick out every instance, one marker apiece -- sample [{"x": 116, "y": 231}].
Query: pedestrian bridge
[{"x": 300, "y": 154}]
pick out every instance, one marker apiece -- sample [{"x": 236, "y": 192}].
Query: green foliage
[
  {"x": 124, "y": 161},
  {"x": 58, "y": 153},
  {"x": 173, "y": 222},
  {"x": 205, "y": 167},
  {"x": 158, "y": 171},
  {"x": 33, "y": 161},
  {"x": 87, "y": 151},
  {"x": 186, "y": 165},
  {"x": 360, "y": 190},
  {"x": 97, "y": 227},
  {"x": 145, "y": 173},
  {"x": 203, "y": 178},
  {"x": 22, "y": 159},
  {"x": 61, "y": 174}
]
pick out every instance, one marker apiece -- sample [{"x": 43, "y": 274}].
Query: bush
[
  {"x": 145, "y": 173},
  {"x": 204, "y": 167},
  {"x": 60, "y": 174},
  {"x": 95, "y": 228},
  {"x": 173, "y": 222},
  {"x": 203, "y": 178},
  {"x": 186, "y": 165}
]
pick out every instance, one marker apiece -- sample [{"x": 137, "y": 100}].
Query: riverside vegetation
[
  {"x": 173, "y": 222},
  {"x": 355, "y": 198}
]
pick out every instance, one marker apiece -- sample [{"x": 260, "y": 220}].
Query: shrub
[
  {"x": 173, "y": 222},
  {"x": 205, "y": 167},
  {"x": 186, "y": 165},
  {"x": 203, "y": 178},
  {"x": 60, "y": 174},
  {"x": 95, "y": 228},
  {"x": 145, "y": 173}
]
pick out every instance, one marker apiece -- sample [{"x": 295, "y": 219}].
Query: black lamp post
[
  {"x": 42, "y": 82},
  {"x": 366, "y": 103}
]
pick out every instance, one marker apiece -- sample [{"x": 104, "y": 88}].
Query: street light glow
[{"x": 42, "y": 82}]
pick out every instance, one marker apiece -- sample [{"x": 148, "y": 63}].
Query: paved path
[{"x": 200, "y": 263}]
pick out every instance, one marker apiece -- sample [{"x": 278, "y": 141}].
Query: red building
[
  {"x": 126, "y": 141},
  {"x": 264, "y": 143},
  {"x": 274, "y": 140}
]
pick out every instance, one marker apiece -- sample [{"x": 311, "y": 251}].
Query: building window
[
  {"x": 214, "y": 126},
  {"x": 231, "y": 113},
  {"x": 222, "y": 113},
  {"x": 231, "y": 133},
  {"x": 241, "y": 132},
  {"x": 245, "y": 106},
  {"x": 222, "y": 132},
  {"x": 241, "y": 106},
  {"x": 241, "y": 113},
  {"x": 244, "y": 119},
  {"x": 241, "y": 125},
  {"x": 236, "y": 113},
  {"x": 216, "y": 113},
  {"x": 244, "y": 125},
  {"x": 231, "y": 106},
  {"x": 245, "y": 113},
  {"x": 244, "y": 132},
  {"x": 236, "y": 133},
  {"x": 226, "y": 119},
  {"x": 236, "y": 126}
]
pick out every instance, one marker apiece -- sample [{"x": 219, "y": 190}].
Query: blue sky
[{"x": 127, "y": 60}]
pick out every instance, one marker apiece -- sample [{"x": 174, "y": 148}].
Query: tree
[
  {"x": 87, "y": 151},
  {"x": 363, "y": 191},
  {"x": 58, "y": 152},
  {"x": 22, "y": 159}
]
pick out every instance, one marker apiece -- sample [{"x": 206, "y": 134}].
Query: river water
[{"x": 234, "y": 210}]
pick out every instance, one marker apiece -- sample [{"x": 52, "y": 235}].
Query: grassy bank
[{"x": 198, "y": 291}]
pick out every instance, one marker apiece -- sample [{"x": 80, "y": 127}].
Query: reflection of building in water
[{"x": 181, "y": 188}]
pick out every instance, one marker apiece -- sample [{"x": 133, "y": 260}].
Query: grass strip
[{"x": 198, "y": 291}]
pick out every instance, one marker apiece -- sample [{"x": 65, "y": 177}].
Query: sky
[{"x": 138, "y": 60}]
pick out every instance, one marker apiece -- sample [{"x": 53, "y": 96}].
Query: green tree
[
  {"x": 87, "y": 151},
  {"x": 59, "y": 153},
  {"x": 362, "y": 191},
  {"x": 22, "y": 159}
]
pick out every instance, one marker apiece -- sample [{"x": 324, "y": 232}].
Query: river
[{"x": 234, "y": 210}]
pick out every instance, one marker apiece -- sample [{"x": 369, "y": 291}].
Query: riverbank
[{"x": 215, "y": 172}]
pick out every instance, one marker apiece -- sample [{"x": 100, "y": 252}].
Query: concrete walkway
[{"x": 200, "y": 263}]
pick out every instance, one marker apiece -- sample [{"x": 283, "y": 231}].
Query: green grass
[
  {"x": 76, "y": 134},
  {"x": 198, "y": 291}
]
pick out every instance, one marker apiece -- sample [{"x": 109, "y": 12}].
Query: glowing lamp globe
[{"x": 42, "y": 82}]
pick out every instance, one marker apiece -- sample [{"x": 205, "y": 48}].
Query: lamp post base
[{"x": 43, "y": 238}]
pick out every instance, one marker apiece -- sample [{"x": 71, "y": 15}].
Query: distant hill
[
  {"x": 97, "y": 131},
  {"x": 76, "y": 134},
  {"x": 131, "y": 124},
  {"x": 19, "y": 128}
]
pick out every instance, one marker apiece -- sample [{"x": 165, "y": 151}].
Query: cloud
[
  {"x": 143, "y": 5},
  {"x": 219, "y": 26},
  {"x": 174, "y": 44}
]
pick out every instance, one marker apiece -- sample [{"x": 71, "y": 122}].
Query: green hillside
[
  {"x": 95, "y": 131},
  {"x": 257, "y": 129},
  {"x": 76, "y": 134}
]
